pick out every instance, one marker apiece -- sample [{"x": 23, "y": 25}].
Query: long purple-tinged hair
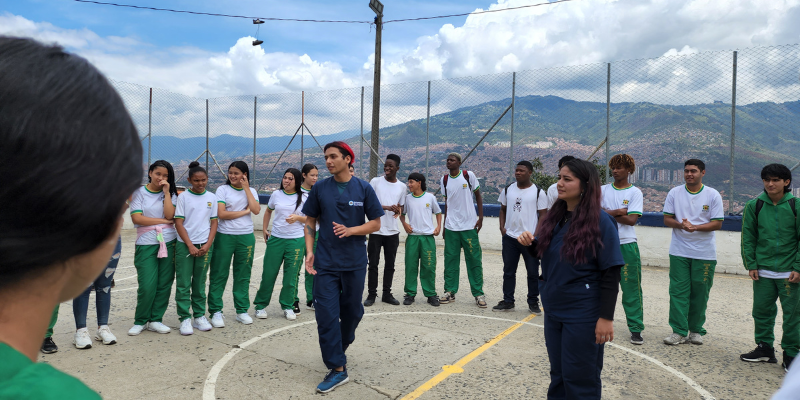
[{"x": 584, "y": 230}]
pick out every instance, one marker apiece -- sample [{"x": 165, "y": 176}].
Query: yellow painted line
[{"x": 458, "y": 367}]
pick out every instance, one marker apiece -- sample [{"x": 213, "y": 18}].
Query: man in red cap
[{"x": 340, "y": 204}]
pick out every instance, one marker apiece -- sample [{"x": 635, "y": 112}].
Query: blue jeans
[{"x": 102, "y": 288}]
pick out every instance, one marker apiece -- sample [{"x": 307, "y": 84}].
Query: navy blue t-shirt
[
  {"x": 349, "y": 209},
  {"x": 571, "y": 292}
]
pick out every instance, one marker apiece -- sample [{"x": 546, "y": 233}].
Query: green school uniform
[{"x": 21, "y": 378}]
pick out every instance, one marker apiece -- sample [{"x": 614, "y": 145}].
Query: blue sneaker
[{"x": 332, "y": 380}]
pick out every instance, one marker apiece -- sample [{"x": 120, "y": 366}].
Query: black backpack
[{"x": 446, "y": 176}]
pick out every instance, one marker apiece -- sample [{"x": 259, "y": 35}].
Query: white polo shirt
[
  {"x": 389, "y": 193},
  {"x": 552, "y": 195},
  {"x": 284, "y": 205},
  {"x": 522, "y": 206},
  {"x": 419, "y": 211},
  {"x": 197, "y": 211},
  {"x": 235, "y": 200},
  {"x": 698, "y": 208},
  {"x": 630, "y": 198},
  {"x": 151, "y": 205},
  {"x": 461, "y": 214}
]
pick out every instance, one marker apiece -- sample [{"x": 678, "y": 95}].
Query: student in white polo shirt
[
  {"x": 552, "y": 192},
  {"x": 420, "y": 244},
  {"x": 461, "y": 227},
  {"x": 625, "y": 203},
  {"x": 196, "y": 223},
  {"x": 522, "y": 204},
  {"x": 693, "y": 211}
]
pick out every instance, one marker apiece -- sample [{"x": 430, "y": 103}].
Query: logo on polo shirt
[
  {"x": 356, "y": 203},
  {"x": 464, "y": 186},
  {"x": 625, "y": 202},
  {"x": 209, "y": 204},
  {"x": 427, "y": 205},
  {"x": 705, "y": 208}
]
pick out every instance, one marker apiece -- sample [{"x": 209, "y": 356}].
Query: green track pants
[
  {"x": 190, "y": 281},
  {"x": 454, "y": 241},
  {"x": 240, "y": 248},
  {"x": 53, "y": 320},
  {"x": 155, "y": 276},
  {"x": 690, "y": 282},
  {"x": 765, "y": 293},
  {"x": 420, "y": 260},
  {"x": 290, "y": 253},
  {"x": 631, "y": 284}
]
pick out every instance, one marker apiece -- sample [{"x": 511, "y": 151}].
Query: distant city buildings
[{"x": 666, "y": 176}]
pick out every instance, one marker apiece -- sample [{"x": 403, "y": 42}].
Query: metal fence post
[
  {"x": 255, "y": 118},
  {"x": 302, "y": 126},
  {"x": 513, "y": 108},
  {"x": 361, "y": 143},
  {"x": 150, "y": 127},
  {"x": 427, "y": 132},
  {"x": 206, "y": 134},
  {"x": 608, "y": 117},
  {"x": 733, "y": 131}
]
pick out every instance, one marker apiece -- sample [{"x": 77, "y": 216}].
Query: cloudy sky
[{"x": 205, "y": 56}]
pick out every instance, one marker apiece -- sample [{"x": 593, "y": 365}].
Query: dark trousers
[
  {"x": 512, "y": 250},
  {"x": 575, "y": 360},
  {"x": 389, "y": 244},
  {"x": 338, "y": 309}
]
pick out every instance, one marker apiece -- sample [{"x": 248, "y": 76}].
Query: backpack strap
[
  {"x": 466, "y": 177},
  {"x": 792, "y": 204},
  {"x": 759, "y": 206}
]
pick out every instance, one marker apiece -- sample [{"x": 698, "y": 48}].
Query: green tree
[{"x": 541, "y": 179}]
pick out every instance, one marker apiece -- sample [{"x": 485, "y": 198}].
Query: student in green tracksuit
[
  {"x": 310, "y": 176},
  {"x": 152, "y": 213},
  {"x": 461, "y": 227},
  {"x": 624, "y": 202},
  {"x": 236, "y": 200},
  {"x": 71, "y": 157},
  {"x": 196, "y": 223},
  {"x": 285, "y": 245},
  {"x": 770, "y": 237},
  {"x": 420, "y": 244}
]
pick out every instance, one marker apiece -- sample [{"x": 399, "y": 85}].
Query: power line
[
  {"x": 317, "y": 20},
  {"x": 478, "y": 12}
]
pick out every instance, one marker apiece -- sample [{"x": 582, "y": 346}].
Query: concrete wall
[{"x": 653, "y": 243}]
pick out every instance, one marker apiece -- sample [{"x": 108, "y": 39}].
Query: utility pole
[{"x": 377, "y": 7}]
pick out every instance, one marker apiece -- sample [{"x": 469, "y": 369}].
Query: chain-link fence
[{"x": 735, "y": 110}]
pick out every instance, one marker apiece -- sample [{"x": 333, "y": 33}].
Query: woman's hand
[
  {"x": 245, "y": 183},
  {"x": 292, "y": 218},
  {"x": 525, "y": 239},
  {"x": 604, "y": 331},
  {"x": 164, "y": 185},
  {"x": 194, "y": 251},
  {"x": 266, "y": 235}
]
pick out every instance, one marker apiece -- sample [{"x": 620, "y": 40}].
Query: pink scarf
[{"x": 162, "y": 246}]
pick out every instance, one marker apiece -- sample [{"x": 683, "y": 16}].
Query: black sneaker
[
  {"x": 310, "y": 305},
  {"x": 408, "y": 300},
  {"x": 503, "y": 306},
  {"x": 434, "y": 301},
  {"x": 534, "y": 308},
  {"x": 636, "y": 338},
  {"x": 787, "y": 361},
  {"x": 388, "y": 298},
  {"x": 296, "y": 307},
  {"x": 49, "y": 346},
  {"x": 762, "y": 353},
  {"x": 369, "y": 301}
]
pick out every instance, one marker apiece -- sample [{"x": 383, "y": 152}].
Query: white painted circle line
[
  {"x": 210, "y": 385},
  {"x": 125, "y": 279}
]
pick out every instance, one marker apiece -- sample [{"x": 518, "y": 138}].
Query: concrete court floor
[{"x": 400, "y": 348}]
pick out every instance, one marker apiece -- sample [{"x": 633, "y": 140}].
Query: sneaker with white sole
[
  {"x": 218, "y": 320},
  {"x": 202, "y": 324},
  {"x": 82, "y": 339},
  {"x": 674, "y": 339},
  {"x": 104, "y": 335},
  {"x": 289, "y": 314},
  {"x": 262, "y": 313},
  {"x": 695, "y": 338},
  {"x": 310, "y": 305},
  {"x": 244, "y": 318},
  {"x": 158, "y": 327},
  {"x": 480, "y": 301},
  {"x": 136, "y": 329},
  {"x": 186, "y": 327},
  {"x": 447, "y": 297}
]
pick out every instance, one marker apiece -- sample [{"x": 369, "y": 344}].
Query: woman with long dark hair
[
  {"x": 285, "y": 245},
  {"x": 578, "y": 244}
]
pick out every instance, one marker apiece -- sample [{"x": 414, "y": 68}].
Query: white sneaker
[
  {"x": 674, "y": 339},
  {"x": 186, "y": 327},
  {"x": 262, "y": 313},
  {"x": 218, "y": 320},
  {"x": 158, "y": 327},
  {"x": 104, "y": 335},
  {"x": 695, "y": 338},
  {"x": 136, "y": 329},
  {"x": 289, "y": 314},
  {"x": 244, "y": 318},
  {"x": 82, "y": 339},
  {"x": 202, "y": 324}
]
